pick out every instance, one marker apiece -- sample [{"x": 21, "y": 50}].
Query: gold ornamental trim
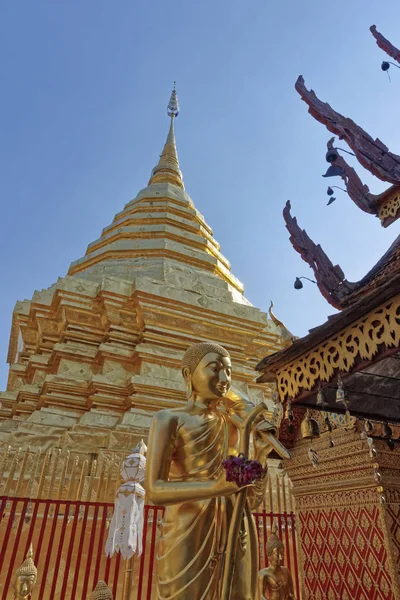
[
  {"x": 361, "y": 340},
  {"x": 390, "y": 208}
]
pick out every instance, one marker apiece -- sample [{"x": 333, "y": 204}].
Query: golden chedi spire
[{"x": 167, "y": 169}]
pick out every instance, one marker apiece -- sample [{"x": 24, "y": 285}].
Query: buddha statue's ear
[{"x": 187, "y": 376}]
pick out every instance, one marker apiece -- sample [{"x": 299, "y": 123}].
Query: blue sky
[{"x": 82, "y": 109}]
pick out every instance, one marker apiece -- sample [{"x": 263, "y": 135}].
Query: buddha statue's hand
[
  {"x": 265, "y": 440},
  {"x": 225, "y": 488}
]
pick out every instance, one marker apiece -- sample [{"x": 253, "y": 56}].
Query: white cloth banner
[{"x": 126, "y": 528}]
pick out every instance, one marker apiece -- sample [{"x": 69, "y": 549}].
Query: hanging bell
[
  {"x": 320, "y": 397},
  {"x": 385, "y": 66},
  {"x": 332, "y": 155},
  {"x": 298, "y": 284},
  {"x": 387, "y": 431},
  {"x": 340, "y": 393},
  {"x": 288, "y": 411},
  {"x": 334, "y": 171},
  {"x": 368, "y": 427},
  {"x": 309, "y": 427},
  {"x": 372, "y": 450},
  {"x": 328, "y": 423}
]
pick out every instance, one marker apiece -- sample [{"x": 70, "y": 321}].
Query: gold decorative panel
[
  {"x": 360, "y": 340},
  {"x": 390, "y": 208}
]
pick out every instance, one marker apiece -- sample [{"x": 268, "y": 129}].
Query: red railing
[{"x": 68, "y": 539}]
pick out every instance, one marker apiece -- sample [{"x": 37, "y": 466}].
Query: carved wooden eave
[
  {"x": 384, "y": 44},
  {"x": 360, "y": 338},
  {"x": 330, "y": 278},
  {"x": 371, "y": 154}
]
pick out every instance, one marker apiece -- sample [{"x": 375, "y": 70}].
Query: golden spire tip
[{"x": 173, "y": 105}]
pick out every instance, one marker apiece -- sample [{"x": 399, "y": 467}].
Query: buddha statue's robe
[{"x": 194, "y": 534}]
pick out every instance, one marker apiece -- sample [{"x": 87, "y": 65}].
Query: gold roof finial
[
  {"x": 173, "y": 105},
  {"x": 167, "y": 170}
]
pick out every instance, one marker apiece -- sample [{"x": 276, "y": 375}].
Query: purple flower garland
[{"x": 242, "y": 470}]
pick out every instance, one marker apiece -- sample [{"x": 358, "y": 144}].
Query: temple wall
[{"x": 348, "y": 512}]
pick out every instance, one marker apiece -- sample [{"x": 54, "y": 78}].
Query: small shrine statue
[
  {"x": 101, "y": 592},
  {"x": 275, "y": 582},
  {"x": 25, "y": 577},
  {"x": 201, "y": 532}
]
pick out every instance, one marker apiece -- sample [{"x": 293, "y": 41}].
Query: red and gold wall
[{"x": 348, "y": 516}]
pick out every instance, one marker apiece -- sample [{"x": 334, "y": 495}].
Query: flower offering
[{"x": 242, "y": 470}]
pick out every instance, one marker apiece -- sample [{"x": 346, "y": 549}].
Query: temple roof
[
  {"x": 160, "y": 234},
  {"x": 361, "y": 342},
  {"x": 362, "y": 338},
  {"x": 376, "y": 158},
  {"x": 335, "y": 323}
]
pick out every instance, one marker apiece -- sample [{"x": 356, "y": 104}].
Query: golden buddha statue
[
  {"x": 25, "y": 577},
  {"x": 275, "y": 582},
  {"x": 101, "y": 592},
  {"x": 184, "y": 473}
]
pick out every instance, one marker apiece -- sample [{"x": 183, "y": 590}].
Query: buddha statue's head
[
  {"x": 275, "y": 550},
  {"x": 101, "y": 592},
  {"x": 206, "y": 369},
  {"x": 25, "y": 577}
]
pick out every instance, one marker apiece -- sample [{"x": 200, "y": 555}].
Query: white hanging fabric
[{"x": 126, "y": 527}]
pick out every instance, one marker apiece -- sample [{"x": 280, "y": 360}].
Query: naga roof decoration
[
  {"x": 371, "y": 154},
  {"x": 330, "y": 278},
  {"x": 384, "y": 205},
  {"x": 384, "y": 44},
  {"x": 287, "y": 338}
]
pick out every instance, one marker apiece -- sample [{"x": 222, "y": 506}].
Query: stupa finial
[
  {"x": 167, "y": 170},
  {"x": 173, "y": 105}
]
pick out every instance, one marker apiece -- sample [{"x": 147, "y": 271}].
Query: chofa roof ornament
[{"x": 387, "y": 47}]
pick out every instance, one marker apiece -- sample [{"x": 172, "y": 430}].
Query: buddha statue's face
[
  {"x": 276, "y": 557},
  {"x": 212, "y": 376},
  {"x": 23, "y": 586}
]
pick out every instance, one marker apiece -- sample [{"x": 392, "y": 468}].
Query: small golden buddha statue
[
  {"x": 25, "y": 577},
  {"x": 101, "y": 592},
  {"x": 185, "y": 473},
  {"x": 275, "y": 582}
]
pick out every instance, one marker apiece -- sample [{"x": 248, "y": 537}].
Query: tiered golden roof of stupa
[{"x": 158, "y": 231}]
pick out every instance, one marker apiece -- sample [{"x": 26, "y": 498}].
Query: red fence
[{"x": 68, "y": 540}]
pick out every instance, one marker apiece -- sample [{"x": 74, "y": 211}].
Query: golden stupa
[{"x": 96, "y": 354}]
